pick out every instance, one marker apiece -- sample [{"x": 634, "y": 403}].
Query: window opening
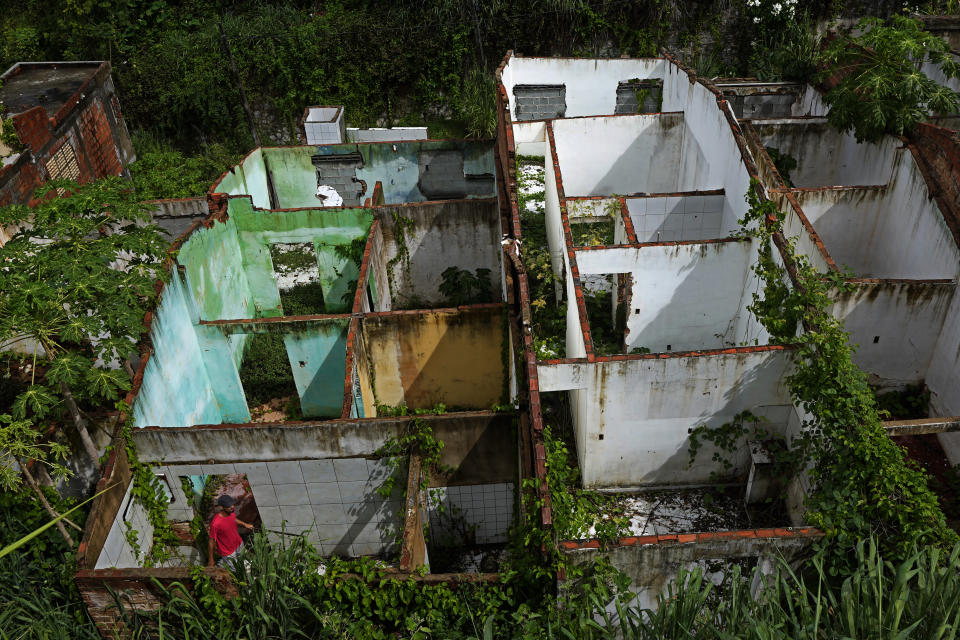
[{"x": 297, "y": 274}]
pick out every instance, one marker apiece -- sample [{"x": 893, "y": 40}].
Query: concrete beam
[{"x": 923, "y": 426}]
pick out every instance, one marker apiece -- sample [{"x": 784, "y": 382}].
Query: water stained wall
[
  {"x": 288, "y": 177},
  {"x": 422, "y": 358},
  {"x": 421, "y": 241}
]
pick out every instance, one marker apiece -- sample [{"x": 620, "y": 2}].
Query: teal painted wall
[
  {"x": 176, "y": 389},
  {"x": 248, "y": 178},
  {"x": 318, "y": 359},
  {"x": 227, "y": 273}
]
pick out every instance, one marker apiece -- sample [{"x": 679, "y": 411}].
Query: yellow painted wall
[{"x": 425, "y": 358}]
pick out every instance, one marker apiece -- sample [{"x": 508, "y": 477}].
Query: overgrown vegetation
[
  {"x": 862, "y": 483},
  {"x": 549, "y": 315},
  {"x": 74, "y": 301},
  {"x": 879, "y": 85},
  {"x": 265, "y": 372},
  {"x": 164, "y": 172},
  {"x": 459, "y": 286}
]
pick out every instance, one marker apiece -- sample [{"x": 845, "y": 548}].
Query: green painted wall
[
  {"x": 325, "y": 228},
  {"x": 395, "y": 165},
  {"x": 248, "y": 178},
  {"x": 318, "y": 359}
]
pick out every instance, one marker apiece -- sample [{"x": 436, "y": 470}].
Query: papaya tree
[
  {"x": 75, "y": 279},
  {"x": 879, "y": 86}
]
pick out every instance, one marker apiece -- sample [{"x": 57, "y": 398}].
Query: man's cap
[{"x": 226, "y": 501}]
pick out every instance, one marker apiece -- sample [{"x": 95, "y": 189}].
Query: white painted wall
[
  {"x": 378, "y": 134},
  {"x": 551, "y": 214},
  {"x": 620, "y": 154},
  {"x": 943, "y": 379},
  {"x": 810, "y": 104},
  {"x": 117, "y": 551},
  {"x": 528, "y": 138},
  {"x": 905, "y": 319},
  {"x": 935, "y": 72},
  {"x": 684, "y": 297},
  {"x": 826, "y": 157},
  {"x": 644, "y": 408},
  {"x": 793, "y": 228},
  {"x": 591, "y": 84},
  {"x": 896, "y": 232}
]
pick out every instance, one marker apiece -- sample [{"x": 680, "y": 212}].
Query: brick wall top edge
[
  {"x": 905, "y": 281},
  {"x": 631, "y": 541},
  {"x": 670, "y": 354}
]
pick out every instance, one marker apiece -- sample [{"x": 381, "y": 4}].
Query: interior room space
[
  {"x": 436, "y": 255},
  {"x": 629, "y": 154},
  {"x": 680, "y": 297}
]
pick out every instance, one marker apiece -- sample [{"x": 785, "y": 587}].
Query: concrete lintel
[{"x": 923, "y": 426}]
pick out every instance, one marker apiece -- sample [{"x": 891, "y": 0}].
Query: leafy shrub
[
  {"x": 459, "y": 286},
  {"x": 164, "y": 172},
  {"x": 880, "y": 87},
  {"x": 265, "y": 373}
]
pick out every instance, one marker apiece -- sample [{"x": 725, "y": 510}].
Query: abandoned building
[
  {"x": 661, "y": 179},
  {"x": 67, "y": 118},
  {"x": 410, "y": 293},
  {"x": 357, "y": 305}
]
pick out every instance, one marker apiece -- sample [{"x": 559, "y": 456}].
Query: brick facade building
[{"x": 68, "y": 119}]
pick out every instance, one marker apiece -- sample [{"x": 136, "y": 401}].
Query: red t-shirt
[{"x": 223, "y": 530}]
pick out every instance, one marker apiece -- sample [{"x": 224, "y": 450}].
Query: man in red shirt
[{"x": 223, "y": 533}]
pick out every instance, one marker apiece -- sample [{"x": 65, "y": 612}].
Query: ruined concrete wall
[
  {"x": 333, "y": 501},
  {"x": 176, "y": 369},
  {"x": 711, "y": 157},
  {"x": 117, "y": 551},
  {"x": 463, "y": 234},
  {"x": 677, "y": 218},
  {"x": 620, "y": 155},
  {"x": 590, "y": 85},
  {"x": 248, "y": 178},
  {"x": 294, "y": 177},
  {"x": 477, "y": 445},
  {"x": 138, "y": 589},
  {"x": 684, "y": 297},
  {"x": 176, "y": 215},
  {"x": 418, "y": 357},
  {"x": 896, "y": 325},
  {"x": 635, "y": 412},
  {"x": 877, "y": 232},
  {"x": 325, "y": 229},
  {"x": 826, "y": 157},
  {"x": 85, "y": 139},
  {"x": 629, "y": 93},
  {"x": 529, "y": 138},
  {"x": 378, "y": 279},
  {"x": 652, "y": 562},
  {"x": 943, "y": 379}
]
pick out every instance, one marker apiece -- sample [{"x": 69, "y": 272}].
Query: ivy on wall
[{"x": 862, "y": 483}]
